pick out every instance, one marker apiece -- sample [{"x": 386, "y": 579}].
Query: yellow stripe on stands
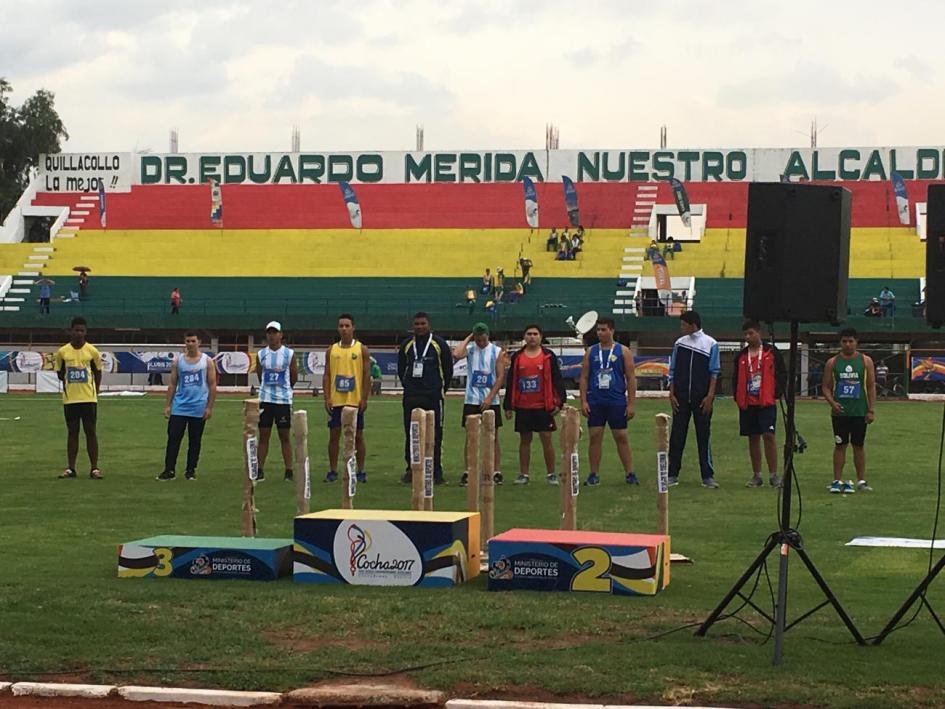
[
  {"x": 875, "y": 252},
  {"x": 332, "y": 253}
]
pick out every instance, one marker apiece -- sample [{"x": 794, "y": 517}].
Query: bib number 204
[{"x": 594, "y": 571}]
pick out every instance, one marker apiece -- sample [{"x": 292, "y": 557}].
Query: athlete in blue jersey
[
  {"x": 189, "y": 405},
  {"x": 278, "y": 372},
  {"x": 608, "y": 397}
]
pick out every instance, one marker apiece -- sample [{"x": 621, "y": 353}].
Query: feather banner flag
[
  {"x": 902, "y": 197},
  {"x": 570, "y": 200},
  {"x": 682, "y": 201},
  {"x": 664, "y": 287},
  {"x": 351, "y": 202},
  {"x": 216, "y": 203},
  {"x": 101, "y": 204},
  {"x": 531, "y": 202}
]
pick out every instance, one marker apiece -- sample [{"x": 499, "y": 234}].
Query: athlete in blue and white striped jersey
[{"x": 278, "y": 371}]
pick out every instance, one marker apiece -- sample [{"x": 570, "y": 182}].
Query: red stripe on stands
[{"x": 466, "y": 206}]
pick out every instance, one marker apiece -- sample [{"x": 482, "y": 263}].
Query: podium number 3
[
  {"x": 164, "y": 566},
  {"x": 595, "y": 564}
]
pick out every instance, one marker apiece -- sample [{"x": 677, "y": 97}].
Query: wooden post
[
  {"x": 429, "y": 442},
  {"x": 473, "y": 441},
  {"x": 349, "y": 474},
  {"x": 250, "y": 467},
  {"x": 303, "y": 476},
  {"x": 487, "y": 483},
  {"x": 662, "y": 473},
  {"x": 418, "y": 434},
  {"x": 569, "y": 480}
]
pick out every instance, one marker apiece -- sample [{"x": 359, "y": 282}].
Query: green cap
[{"x": 480, "y": 328}]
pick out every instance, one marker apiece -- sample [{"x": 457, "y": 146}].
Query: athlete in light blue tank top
[
  {"x": 188, "y": 406},
  {"x": 274, "y": 383},
  {"x": 193, "y": 390}
]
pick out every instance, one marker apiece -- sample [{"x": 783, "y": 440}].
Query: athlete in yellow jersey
[
  {"x": 345, "y": 383},
  {"x": 79, "y": 366}
]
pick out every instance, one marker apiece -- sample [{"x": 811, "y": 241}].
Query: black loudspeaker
[
  {"x": 934, "y": 295},
  {"x": 797, "y": 252}
]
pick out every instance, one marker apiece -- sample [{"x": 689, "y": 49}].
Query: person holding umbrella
[
  {"x": 83, "y": 280},
  {"x": 45, "y": 293}
]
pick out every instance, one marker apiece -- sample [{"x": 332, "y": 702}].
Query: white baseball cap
[{"x": 274, "y": 325}]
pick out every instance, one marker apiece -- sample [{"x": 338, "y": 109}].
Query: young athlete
[
  {"x": 485, "y": 373},
  {"x": 345, "y": 383},
  {"x": 189, "y": 405},
  {"x": 79, "y": 366},
  {"x": 608, "y": 397},
  {"x": 534, "y": 392},
  {"x": 278, "y": 372},
  {"x": 850, "y": 388}
]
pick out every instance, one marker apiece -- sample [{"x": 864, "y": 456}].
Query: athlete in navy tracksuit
[{"x": 693, "y": 372}]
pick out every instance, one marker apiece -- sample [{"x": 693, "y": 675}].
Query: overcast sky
[{"x": 237, "y": 75}]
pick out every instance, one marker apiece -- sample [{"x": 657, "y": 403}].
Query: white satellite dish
[{"x": 584, "y": 324}]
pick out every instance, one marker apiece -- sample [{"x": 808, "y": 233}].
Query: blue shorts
[
  {"x": 612, "y": 414},
  {"x": 334, "y": 421}
]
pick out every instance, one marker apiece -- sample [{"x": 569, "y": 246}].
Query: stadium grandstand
[{"x": 286, "y": 246}]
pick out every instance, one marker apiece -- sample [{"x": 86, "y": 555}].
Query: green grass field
[{"x": 65, "y": 614}]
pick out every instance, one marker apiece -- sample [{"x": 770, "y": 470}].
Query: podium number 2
[
  {"x": 164, "y": 566},
  {"x": 595, "y": 563}
]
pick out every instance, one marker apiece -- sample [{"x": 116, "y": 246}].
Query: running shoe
[
  {"x": 166, "y": 475},
  {"x": 631, "y": 479},
  {"x": 522, "y": 479},
  {"x": 592, "y": 479},
  {"x": 331, "y": 476},
  {"x": 755, "y": 481}
]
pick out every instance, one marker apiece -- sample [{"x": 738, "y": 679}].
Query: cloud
[
  {"x": 913, "y": 66},
  {"x": 809, "y": 85},
  {"x": 313, "y": 78}
]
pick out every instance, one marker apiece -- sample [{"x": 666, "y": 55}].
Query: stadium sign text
[{"x": 75, "y": 172}]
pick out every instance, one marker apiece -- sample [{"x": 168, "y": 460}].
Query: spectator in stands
[
  {"x": 564, "y": 251},
  {"x": 576, "y": 244},
  {"x": 45, "y": 293},
  {"x": 670, "y": 248},
  {"x": 653, "y": 248},
  {"x": 517, "y": 292},
  {"x": 526, "y": 265},
  {"x": 874, "y": 309},
  {"x": 882, "y": 376},
  {"x": 552, "y": 243},
  {"x": 176, "y": 300},
  {"x": 487, "y": 282},
  {"x": 565, "y": 237},
  {"x": 580, "y": 231},
  {"x": 83, "y": 285},
  {"x": 375, "y": 378},
  {"x": 499, "y": 291},
  {"x": 887, "y": 302}
]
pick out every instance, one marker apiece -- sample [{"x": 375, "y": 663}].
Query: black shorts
[
  {"x": 86, "y": 412},
  {"x": 849, "y": 429},
  {"x": 280, "y": 414},
  {"x": 534, "y": 420},
  {"x": 473, "y": 409},
  {"x": 757, "y": 420}
]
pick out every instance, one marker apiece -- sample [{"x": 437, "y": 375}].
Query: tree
[{"x": 25, "y": 132}]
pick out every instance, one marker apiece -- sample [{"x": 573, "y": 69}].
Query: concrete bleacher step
[
  {"x": 14, "y": 300},
  {"x": 22, "y": 282},
  {"x": 27, "y": 273},
  {"x": 79, "y": 212},
  {"x": 18, "y": 290},
  {"x": 35, "y": 264},
  {"x": 10, "y": 308},
  {"x": 43, "y": 249},
  {"x": 38, "y": 257}
]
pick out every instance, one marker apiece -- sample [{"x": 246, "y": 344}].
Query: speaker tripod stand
[{"x": 784, "y": 539}]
